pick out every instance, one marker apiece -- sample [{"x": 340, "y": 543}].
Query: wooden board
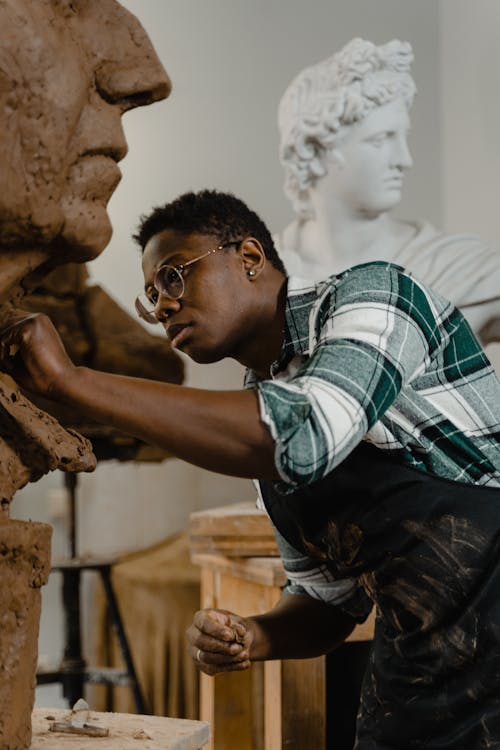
[
  {"x": 126, "y": 732},
  {"x": 266, "y": 571},
  {"x": 240, "y": 530}
]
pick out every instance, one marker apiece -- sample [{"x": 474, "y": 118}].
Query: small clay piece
[
  {"x": 85, "y": 729},
  {"x": 141, "y": 735}
]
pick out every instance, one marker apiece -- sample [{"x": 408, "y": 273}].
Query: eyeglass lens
[{"x": 169, "y": 281}]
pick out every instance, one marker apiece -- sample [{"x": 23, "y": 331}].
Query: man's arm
[
  {"x": 371, "y": 335},
  {"x": 217, "y": 430},
  {"x": 299, "y": 627}
]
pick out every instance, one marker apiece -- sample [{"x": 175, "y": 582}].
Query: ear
[{"x": 252, "y": 256}]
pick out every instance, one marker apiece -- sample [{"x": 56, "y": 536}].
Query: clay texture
[
  {"x": 24, "y": 568},
  {"x": 69, "y": 69}
]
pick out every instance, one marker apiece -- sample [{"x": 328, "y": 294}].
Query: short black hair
[{"x": 209, "y": 212}]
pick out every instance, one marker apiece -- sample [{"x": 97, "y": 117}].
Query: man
[{"x": 371, "y": 420}]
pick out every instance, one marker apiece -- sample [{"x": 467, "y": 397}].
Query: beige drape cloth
[{"x": 158, "y": 592}]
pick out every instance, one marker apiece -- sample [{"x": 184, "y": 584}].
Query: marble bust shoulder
[{"x": 343, "y": 126}]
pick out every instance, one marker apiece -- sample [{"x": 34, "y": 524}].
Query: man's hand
[
  {"x": 220, "y": 641},
  {"x": 32, "y": 352}
]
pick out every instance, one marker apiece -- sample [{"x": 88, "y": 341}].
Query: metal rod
[
  {"x": 70, "y": 482},
  {"x": 73, "y": 664},
  {"x": 116, "y": 620}
]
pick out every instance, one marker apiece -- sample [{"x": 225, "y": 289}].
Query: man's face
[
  {"x": 208, "y": 322},
  {"x": 365, "y": 172},
  {"x": 68, "y": 71}
]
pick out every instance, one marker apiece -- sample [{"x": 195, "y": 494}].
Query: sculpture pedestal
[{"x": 24, "y": 568}]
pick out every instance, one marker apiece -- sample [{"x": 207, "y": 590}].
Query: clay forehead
[
  {"x": 103, "y": 33},
  {"x": 122, "y": 53}
]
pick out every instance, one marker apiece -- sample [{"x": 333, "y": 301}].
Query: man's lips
[{"x": 177, "y": 333}]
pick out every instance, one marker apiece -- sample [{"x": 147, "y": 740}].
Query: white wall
[
  {"x": 230, "y": 61},
  {"x": 470, "y": 114}
]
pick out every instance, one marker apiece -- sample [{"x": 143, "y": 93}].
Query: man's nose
[
  {"x": 166, "y": 307},
  {"x": 127, "y": 68}
]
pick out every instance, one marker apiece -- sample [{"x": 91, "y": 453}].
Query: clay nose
[
  {"x": 135, "y": 84},
  {"x": 127, "y": 68}
]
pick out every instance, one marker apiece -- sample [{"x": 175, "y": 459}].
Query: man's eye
[
  {"x": 173, "y": 274},
  {"x": 152, "y": 296}
]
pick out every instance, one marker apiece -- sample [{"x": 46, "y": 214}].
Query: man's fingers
[
  {"x": 213, "y": 664},
  {"x": 214, "y": 624},
  {"x": 209, "y": 643},
  {"x": 11, "y": 335},
  {"x": 219, "y": 642},
  {"x": 212, "y": 670},
  {"x": 217, "y": 658},
  {"x": 14, "y": 322}
]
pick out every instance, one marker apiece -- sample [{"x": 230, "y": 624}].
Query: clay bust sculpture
[
  {"x": 343, "y": 128},
  {"x": 68, "y": 72}
]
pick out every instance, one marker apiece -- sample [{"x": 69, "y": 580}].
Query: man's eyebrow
[
  {"x": 171, "y": 259},
  {"x": 174, "y": 259}
]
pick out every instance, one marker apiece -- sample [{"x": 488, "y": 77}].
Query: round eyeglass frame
[{"x": 145, "y": 307}]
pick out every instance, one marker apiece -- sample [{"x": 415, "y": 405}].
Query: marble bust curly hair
[{"x": 334, "y": 93}]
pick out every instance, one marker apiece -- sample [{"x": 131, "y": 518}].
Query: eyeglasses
[{"x": 169, "y": 282}]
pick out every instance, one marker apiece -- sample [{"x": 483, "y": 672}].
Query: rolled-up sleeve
[
  {"x": 305, "y": 576},
  {"x": 375, "y": 331}
]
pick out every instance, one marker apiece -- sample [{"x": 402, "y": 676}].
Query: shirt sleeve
[
  {"x": 375, "y": 330},
  {"x": 305, "y": 576}
]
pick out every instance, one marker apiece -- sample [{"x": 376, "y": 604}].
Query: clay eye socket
[{"x": 68, "y": 6}]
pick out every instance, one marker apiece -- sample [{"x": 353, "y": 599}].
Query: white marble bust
[{"x": 343, "y": 145}]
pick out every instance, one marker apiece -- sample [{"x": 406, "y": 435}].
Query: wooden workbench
[{"x": 126, "y": 732}]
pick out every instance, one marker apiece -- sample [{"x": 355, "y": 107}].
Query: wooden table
[
  {"x": 276, "y": 704},
  {"x": 126, "y": 732}
]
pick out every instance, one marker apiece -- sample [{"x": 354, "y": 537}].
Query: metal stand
[{"x": 73, "y": 672}]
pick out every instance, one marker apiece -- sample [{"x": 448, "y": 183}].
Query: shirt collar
[{"x": 301, "y": 295}]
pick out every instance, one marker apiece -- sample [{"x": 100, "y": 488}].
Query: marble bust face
[
  {"x": 341, "y": 105},
  {"x": 68, "y": 72},
  {"x": 366, "y": 166}
]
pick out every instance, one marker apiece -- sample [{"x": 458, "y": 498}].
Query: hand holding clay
[
  {"x": 32, "y": 352},
  {"x": 220, "y": 641}
]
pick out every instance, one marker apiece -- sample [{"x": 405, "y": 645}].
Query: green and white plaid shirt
[{"x": 373, "y": 354}]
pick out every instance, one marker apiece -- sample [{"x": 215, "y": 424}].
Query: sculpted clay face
[{"x": 68, "y": 71}]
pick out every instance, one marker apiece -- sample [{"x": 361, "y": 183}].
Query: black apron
[{"x": 426, "y": 551}]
